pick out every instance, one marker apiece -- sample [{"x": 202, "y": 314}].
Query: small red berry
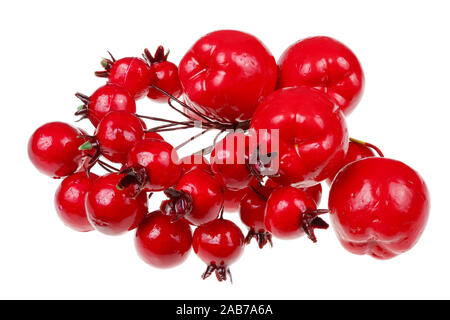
[
  {"x": 130, "y": 73},
  {"x": 232, "y": 198},
  {"x": 230, "y": 159},
  {"x": 356, "y": 151},
  {"x": 218, "y": 243},
  {"x": 115, "y": 136},
  {"x": 252, "y": 212},
  {"x": 161, "y": 242},
  {"x": 325, "y": 64},
  {"x": 154, "y": 164},
  {"x": 378, "y": 207},
  {"x": 108, "y": 98},
  {"x": 165, "y": 76},
  {"x": 112, "y": 210},
  {"x": 291, "y": 213},
  {"x": 197, "y": 197},
  {"x": 53, "y": 149},
  {"x": 69, "y": 200}
]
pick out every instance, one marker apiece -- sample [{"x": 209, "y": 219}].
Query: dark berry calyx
[
  {"x": 133, "y": 176},
  {"x": 221, "y": 272},
  {"x": 82, "y": 110},
  {"x": 262, "y": 237},
  {"x": 179, "y": 204},
  {"x": 159, "y": 56},
  {"x": 107, "y": 64},
  {"x": 310, "y": 220}
]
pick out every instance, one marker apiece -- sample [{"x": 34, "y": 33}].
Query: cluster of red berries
[{"x": 285, "y": 134}]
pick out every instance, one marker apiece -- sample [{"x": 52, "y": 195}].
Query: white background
[{"x": 49, "y": 50}]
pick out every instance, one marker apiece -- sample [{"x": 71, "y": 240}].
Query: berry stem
[{"x": 367, "y": 144}]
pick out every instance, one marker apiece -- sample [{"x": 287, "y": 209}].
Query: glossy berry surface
[
  {"x": 161, "y": 242},
  {"x": 218, "y": 243},
  {"x": 291, "y": 213},
  {"x": 378, "y": 207},
  {"x": 229, "y": 161},
  {"x": 153, "y": 135},
  {"x": 197, "y": 197},
  {"x": 252, "y": 212},
  {"x": 53, "y": 149},
  {"x": 109, "y": 97},
  {"x": 133, "y": 74},
  {"x": 69, "y": 201},
  {"x": 307, "y": 133},
  {"x": 325, "y": 64},
  {"x": 214, "y": 65},
  {"x": 232, "y": 198},
  {"x": 113, "y": 211},
  {"x": 356, "y": 151},
  {"x": 117, "y": 134},
  {"x": 159, "y": 161}
]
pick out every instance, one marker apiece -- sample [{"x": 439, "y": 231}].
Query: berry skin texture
[
  {"x": 197, "y": 197},
  {"x": 153, "y": 135},
  {"x": 310, "y": 132},
  {"x": 356, "y": 151},
  {"x": 229, "y": 161},
  {"x": 133, "y": 74},
  {"x": 216, "y": 63},
  {"x": 113, "y": 211},
  {"x": 53, "y": 149},
  {"x": 218, "y": 243},
  {"x": 69, "y": 201},
  {"x": 325, "y": 64},
  {"x": 378, "y": 207},
  {"x": 161, "y": 242},
  {"x": 252, "y": 212},
  {"x": 159, "y": 164},
  {"x": 117, "y": 134},
  {"x": 108, "y": 98},
  {"x": 166, "y": 78},
  {"x": 232, "y": 199},
  {"x": 291, "y": 213}
]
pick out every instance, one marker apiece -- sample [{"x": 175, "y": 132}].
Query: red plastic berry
[
  {"x": 165, "y": 76},
  {"x": 232, "y": 198},
  {"x": 115, "y": 136},
  {"x": 291, "y": 213},
  {"x": 69, "y": 200},
  {"x": 356, "y": 151},
  {"x": 53, "y": 149},
  {"x": 130, "y": 73},
  {"x": 197, "y": 197},
  {"x": 307, "y": 133},
  {"x": 218, "y": 243},
  {"x": 226, "y": 73},
  {"x": 112, "y": 210},
  {"x": 161, "y": 242},
  {"x": 230, "y": 159},
  {"x": 378, "y": 207},
  {"x": 252, "y": 212},
  {"x": 325, "y": 64},
  {"x": 108, "y": 98},
  {"x": 154, "y": 164}
]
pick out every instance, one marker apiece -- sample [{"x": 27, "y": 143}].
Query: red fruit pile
[{"x": 285, "y": 134}]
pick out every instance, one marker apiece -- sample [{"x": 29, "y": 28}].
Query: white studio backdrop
[{"x": 49, "y": 50}]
